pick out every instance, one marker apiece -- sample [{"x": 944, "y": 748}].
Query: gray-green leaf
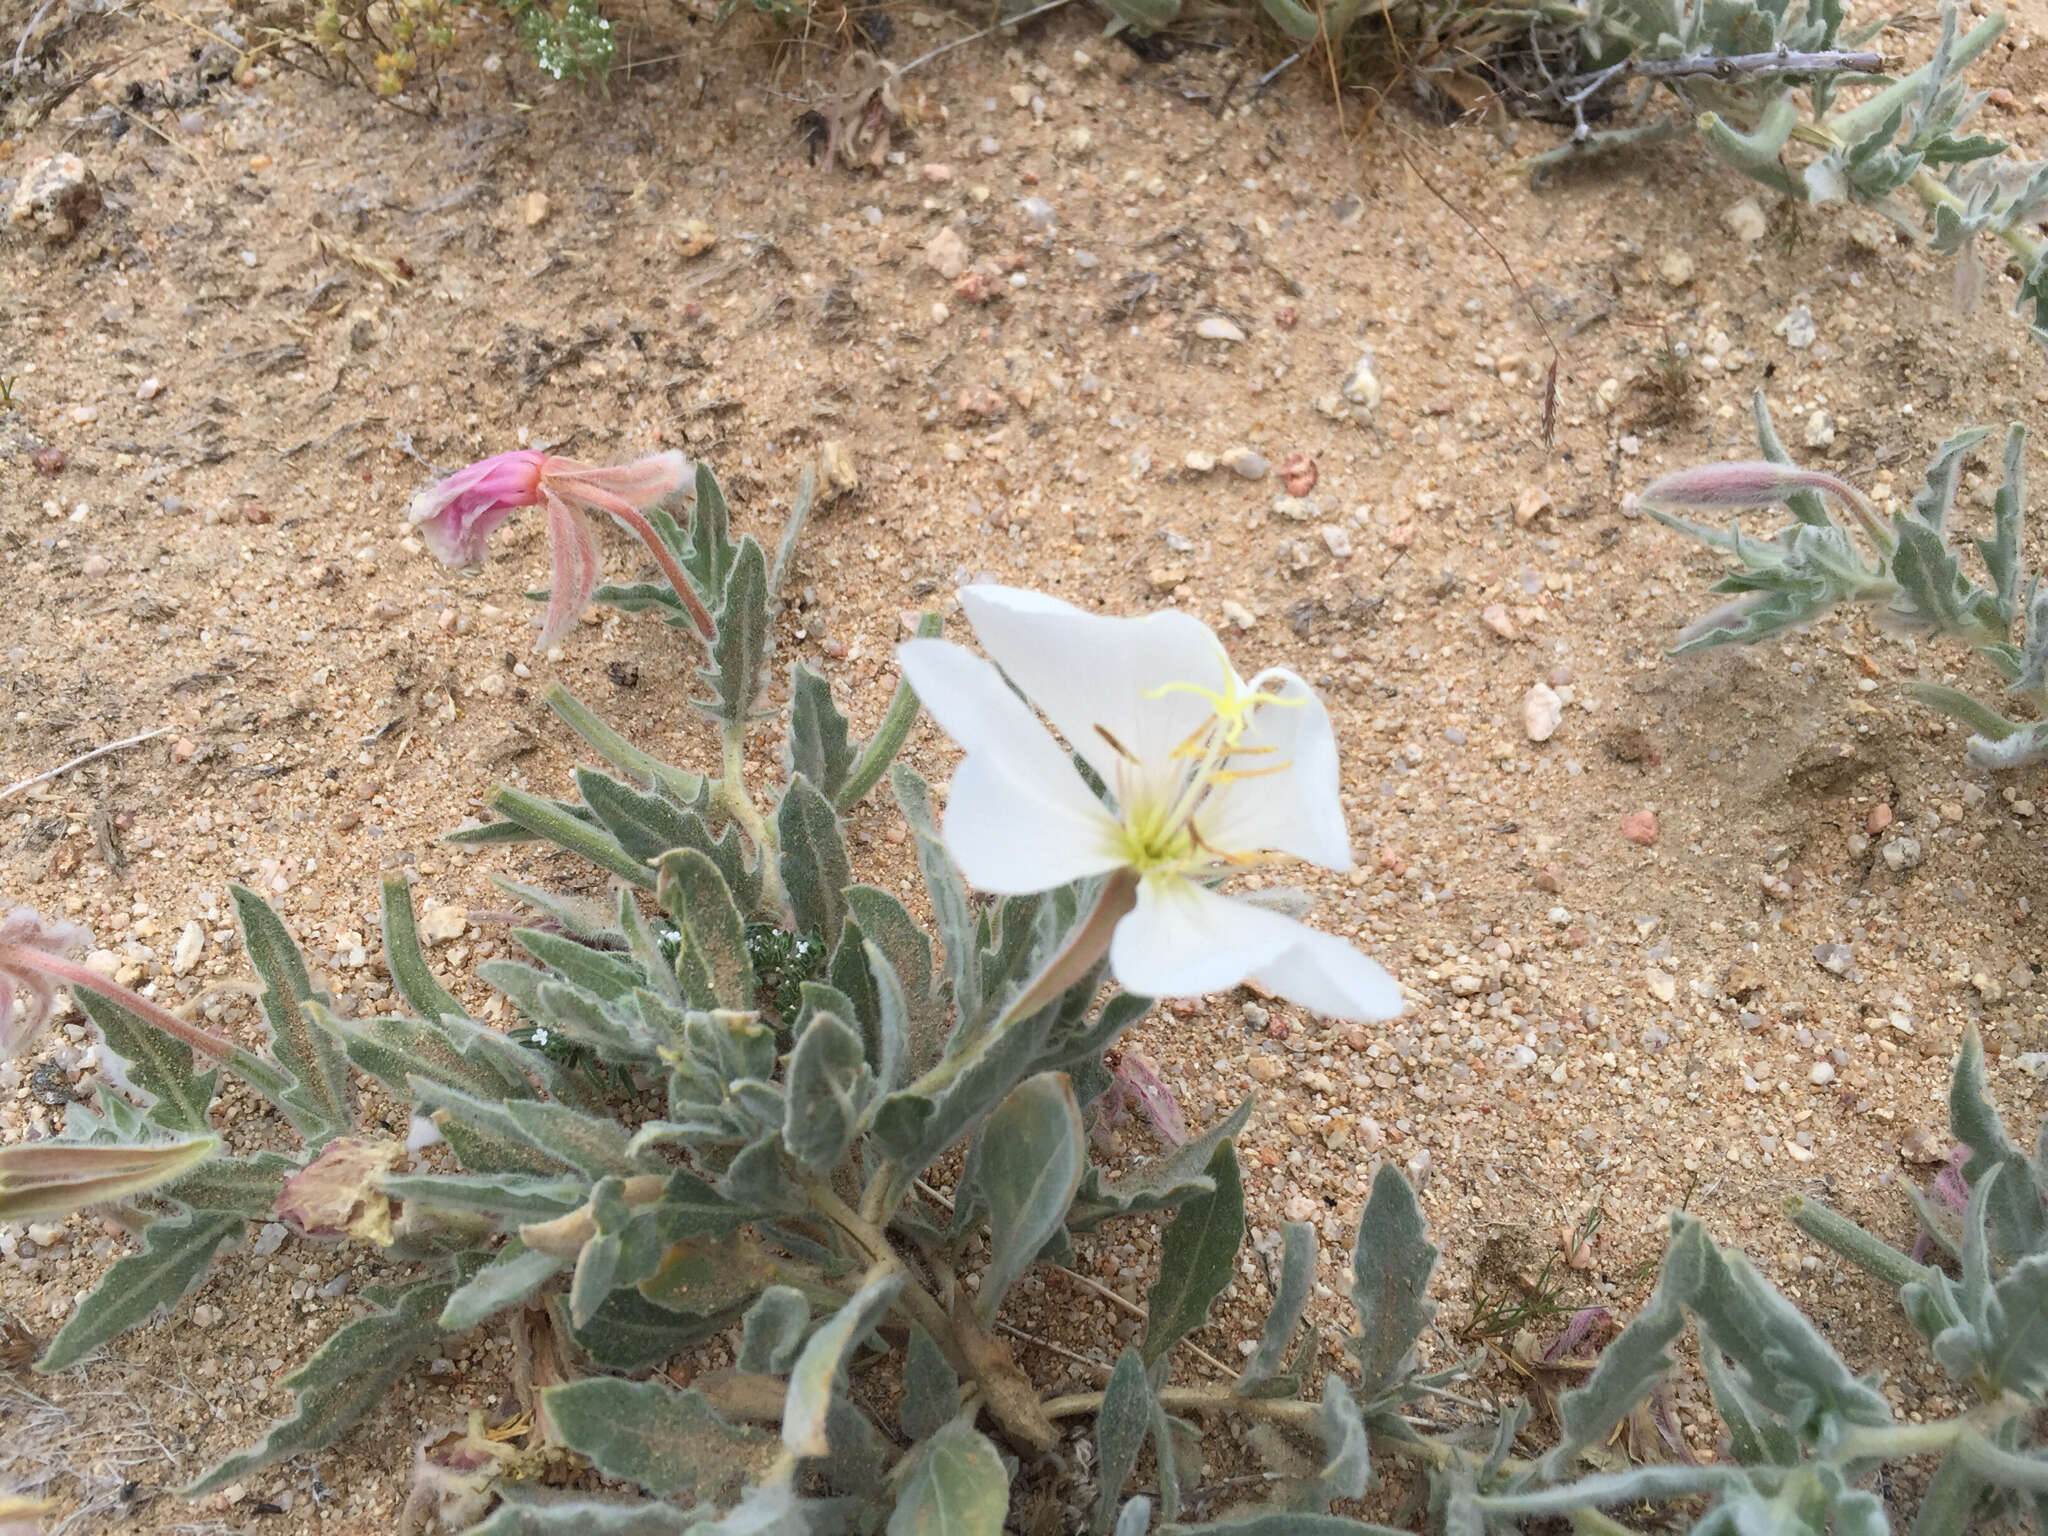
[
  {"x": 1290, "y": 1302},
  {"x": 957, "y": 1487},
  {"x": 1030, "y": 1161},
  {"x": 177, "y": 1251},
  {"x": 673, "y": 1444},
  {"x": 815, "y": 871},
  {"x": 348, "y": 1376},
  {"x": 817, "y": 1369},
  {"x": 1121, "y": 1425},
  {"x": 1390, "y": 1275},
  {"x": 1198, "y": 1258},
  {"x": 829, "y": 1088}
]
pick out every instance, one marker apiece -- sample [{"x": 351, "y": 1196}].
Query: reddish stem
[
  {"x": 17, "y": 958},
  {"x": 634, "y": 519}
]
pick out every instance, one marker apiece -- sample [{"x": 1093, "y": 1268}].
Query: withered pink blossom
[
  {"x": 457, "y": 515},
  {"x": 28, "y": 994}
]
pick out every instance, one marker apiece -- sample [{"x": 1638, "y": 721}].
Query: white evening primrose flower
[{"x": 1208, "y": 775}]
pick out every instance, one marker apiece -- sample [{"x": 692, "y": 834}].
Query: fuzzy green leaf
[
  {"x": 2016, "y": 1325},
  {"x": 1290, "y": 1304},
  {"x": 916, "y": 1127},
  {"x": 317, "y": 1102},
  {"x": 1197, "y": 1259},
  {"x": 630, "y": 1333},
  {"x": 2001, "y": 551},
  {"x": 739, "y": 651},
  {"x": 813, "y": 859},
  {"x": 1121, "y": 1425},
  {"x": 177, "y": 1251},
  {"x": 1347, "y": 1459},
  {"x": 610, "y": 976},
  {"x": 1030, "y": 1158},
  {"x": 547, "y": 821},
  {"x": 528, "y": 1510},
  {"x": 450, "y": 1050},
  {"x": 1390, "y": 1273},
  {"x": 407, "y": 963},
  {"x": 348, "y": 1376},
  {"x": 1778, "y": 1356},
  {"x": 713, "y": 966},
  {"x": 680, "y": 786},
  {"x": 818, "y": 747},
  {"x": 157, "y": 1063},
  {"x": 889, "y": 736},
  {"x": 1160, "y": 1184},
  {"x": 1629, "y": 1370},
  {"x": 245, "y": 1187},
  {"x": 828, "y": 1089},
  {"x": 958, "y": 1486},
  {"x": 645, "y": 825},
  {"x": 931, "y": 1387},
  {"x": 943, "y": 885},
  {"x": 673, "y": 1444},
  {"x": 514, "y": 1273},
  {"x": 817, "y": 1371},
  {"x": 711, "y": 550},
  {"x": 888, "y": 925},
  {"x": 1951, "y": 1499},
  {"x": 2018, "y": 1225},
  {"x": 773, "y": 1331}
]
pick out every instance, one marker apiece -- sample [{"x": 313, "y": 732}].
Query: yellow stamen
[{"x": 1234, "y": 775}]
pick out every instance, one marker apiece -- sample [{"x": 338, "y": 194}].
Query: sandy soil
[{"x": 229, "y": 384}]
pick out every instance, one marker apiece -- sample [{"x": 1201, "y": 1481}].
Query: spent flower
[
  {"x": 457, "y": 515},
  {"x": 28, "y": 993},
  {"x": 1208, "y": 776}
]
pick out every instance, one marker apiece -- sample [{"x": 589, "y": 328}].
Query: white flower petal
[
  {"x": 1182, "y": 940},
  {"x": 1009, "y": 838},
  {"x": 1018, "y": 817},
  {"x": 1325, "y": 974},
  {"x": 1292, "y": 811},
  {"x": 1090, "y": 673}
]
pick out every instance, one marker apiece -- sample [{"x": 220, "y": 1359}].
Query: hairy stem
[
  {"x": 636, "y": 520},
  {"x": 730, "y": 795},
  {"x": 889, "y": 736},
  {"x": 71, "y": 973}
]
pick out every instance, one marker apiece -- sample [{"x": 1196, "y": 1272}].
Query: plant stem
[
  {"x": 924, "y": 1309},
  {"x": 1278, "y": 1410},
  {"x": 19, "y": 958},
  {"x": 889, "y": 736},
  {"x": 730, "y": 795},
  {"x": 636, "y": 520}
]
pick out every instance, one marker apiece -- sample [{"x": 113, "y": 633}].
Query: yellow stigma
[{"x": 1230, "y": 706}]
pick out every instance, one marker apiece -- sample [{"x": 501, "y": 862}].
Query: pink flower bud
[{"x": 1731, "y": 487}]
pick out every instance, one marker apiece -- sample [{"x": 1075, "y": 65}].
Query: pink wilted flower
[
  {"x": 456, "y": 517},
  {"x": 27, "y": 993}
]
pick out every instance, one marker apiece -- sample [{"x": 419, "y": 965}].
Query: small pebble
[
  {"x": 1242, "y": 461},
  {"x": 1217, "y": 328},
  {"x": 1542, "y": 711},
  {"x": 1640, "y": 828}
]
